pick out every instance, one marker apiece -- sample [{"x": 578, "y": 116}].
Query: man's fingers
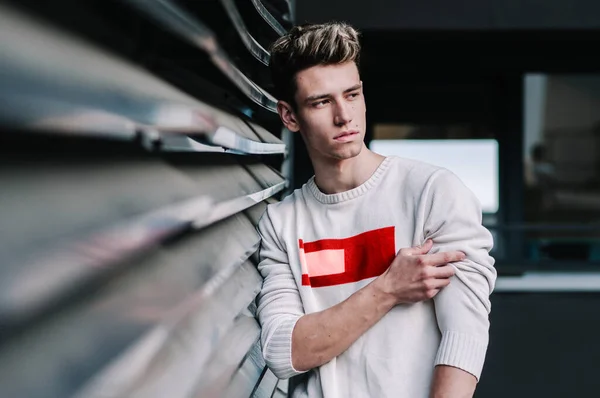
[
  {"x": 436, "y": 286},
  {"x": 443, "y": 272},
  {"x": 441, "y": 283},
  {"x": 418, "y": 250},
  {"x": 443, "y": 258}
]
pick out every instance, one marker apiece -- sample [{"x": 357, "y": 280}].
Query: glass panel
[
  {"x": 562, "y": 166},
  {"x": 475, "y": 162}
]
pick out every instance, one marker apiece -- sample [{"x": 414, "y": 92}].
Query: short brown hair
[{"x": 305, "y": 46}]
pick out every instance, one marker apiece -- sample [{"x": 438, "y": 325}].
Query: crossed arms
[{"x": 453, "y": 234}]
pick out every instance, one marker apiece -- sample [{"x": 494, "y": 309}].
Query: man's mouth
[{"x": 345, "y": 136}]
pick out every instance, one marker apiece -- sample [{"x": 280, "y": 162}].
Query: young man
[{"x": 377, "y": 272}]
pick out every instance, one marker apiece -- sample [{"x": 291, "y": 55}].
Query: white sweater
[{"x": 318, "y": 249}]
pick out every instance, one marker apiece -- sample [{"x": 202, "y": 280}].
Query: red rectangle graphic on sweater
[{"x": 330, "y": 262}]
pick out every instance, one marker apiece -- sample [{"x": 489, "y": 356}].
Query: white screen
[{"x": 475, "y": 162}]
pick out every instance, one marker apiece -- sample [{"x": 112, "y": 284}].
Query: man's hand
[{"x": 415, "y": 275}]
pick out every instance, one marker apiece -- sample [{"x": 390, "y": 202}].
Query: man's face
[{"x": 330, "y": 111}]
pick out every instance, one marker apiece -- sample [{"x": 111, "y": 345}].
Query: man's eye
[
  {"x": 353, "y": 95},
  {"x": 320, "y": 103}
]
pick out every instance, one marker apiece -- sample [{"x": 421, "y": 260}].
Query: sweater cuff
[
  {"x": 278, "y": 352},
  {"x": 462, "y": 351}
]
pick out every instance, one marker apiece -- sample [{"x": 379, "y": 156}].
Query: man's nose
[{"x": 342, "y": 114}]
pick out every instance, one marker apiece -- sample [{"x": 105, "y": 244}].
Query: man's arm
[
  {"x": 462, "y": 309},
  {"x": 322, "y": 336},
  {"x": 413, "y": 276},
  {"x": 293, "y": 342},
  {"x": 451, "y": 382}
]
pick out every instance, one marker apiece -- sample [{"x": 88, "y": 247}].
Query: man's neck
[{"x": 343, "y": 175}]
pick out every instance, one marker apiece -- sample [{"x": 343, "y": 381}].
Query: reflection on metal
[
  {"x": 292, "y": 7},
  {"x": 239, "y": 204},
  {"x": 248, "y": 375},
  {"x": 53, "y": 82},
  {"x": 47, "y": 75},
  {"x": 46, "y": 276},
  {"x": 198, "y": 34},
  {"x": 212, "y": 128},
  {"x": 221, "y": 140},
  {"x": 152, "y": 140},
  {"x": 555, "y": 282},
  {"x": 263, "y": 134},
  {"x": 266, "y": 386},
  {"x": 61, "y": 270},
  {"x": 33, "y": 113},
  {"x": 172, "y": 358},
  {"x": 124, "y": 273},
  {"x": 227, "y": 358},
  {"x": 250, "y": 42},
  {"x": 229, "y": 139},
  {"x": 269, "y": 18},
  {"x": 173, "y": 299}
]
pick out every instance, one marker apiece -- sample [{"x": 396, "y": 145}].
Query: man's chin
[{"x": 348, "y": 153}]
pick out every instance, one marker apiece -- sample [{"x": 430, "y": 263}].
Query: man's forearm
[
  {"x": 450, "y": 382},
  {"x": 319, "y": 337}
]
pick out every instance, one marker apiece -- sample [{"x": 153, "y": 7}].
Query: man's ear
[{"x": 287, "y": 115}]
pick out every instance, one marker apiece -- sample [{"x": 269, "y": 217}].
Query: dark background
[{"x": 452, "y": 62}]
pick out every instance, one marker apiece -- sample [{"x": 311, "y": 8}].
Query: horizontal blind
[{"x": 139, "y": 147}]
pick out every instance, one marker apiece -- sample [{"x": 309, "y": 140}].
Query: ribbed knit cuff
[
  {"x": 462, "y": 351},
  {"x": 278, "y": 352}
]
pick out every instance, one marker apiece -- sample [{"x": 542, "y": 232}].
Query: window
[
  {"x": 562, "y": 166},
  {"x": 474, "y": 161}
]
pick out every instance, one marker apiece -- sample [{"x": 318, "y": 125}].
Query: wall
[
  {"x": 470, "y": 14},
  {"x": 139, "y": 147}
]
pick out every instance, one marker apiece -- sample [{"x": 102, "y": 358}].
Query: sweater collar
[{"x": 352, "y": 193}]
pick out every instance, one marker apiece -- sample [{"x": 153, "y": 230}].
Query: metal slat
[
  {"x": 266, "y": 386},
  {"x": 264, "y": 134},
  {"x": 60, "y": 239},
  {"x": 170, "y": 365},
  {"x": 279, "y": 394},
  {"x": 268, "y": 179},
  {"x": 269, "y": 18},
  {"x": 254, "y": 214},
  {"x": 39, "y": 61},
  {"x": 223, "y": 139},
  {"x": 52, "y": 81},
  {"x": 248, "y": 376},
  {"x": 250, "y": 42},
  {"x": 192, "y": 289},
  {"x": 191, "y": 29},
  {"x": 216, "y": 380}
]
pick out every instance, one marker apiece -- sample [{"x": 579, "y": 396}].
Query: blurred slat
[
  {"x": 64, "y": 226},
  {"x": 223, "y": 138},
  {"x": 258, "y": 51},
  {"x": 219, "y": 379},
  {"x": 128, "y": 208},
  {"x": 192, "y": 289},
  {"x": 179, "y": 21},
  {"x": 269, "y": 17},
  {"x": 266, "y": 385},
  {"x": 173, "y": 365},
  {"x": 52, "y": 81},
  {"x": 246, "y": 378}
]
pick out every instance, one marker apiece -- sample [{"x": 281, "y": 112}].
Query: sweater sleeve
[
  {"x": 453, "y": 219},
  {"x": 279, "y": 303}
]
